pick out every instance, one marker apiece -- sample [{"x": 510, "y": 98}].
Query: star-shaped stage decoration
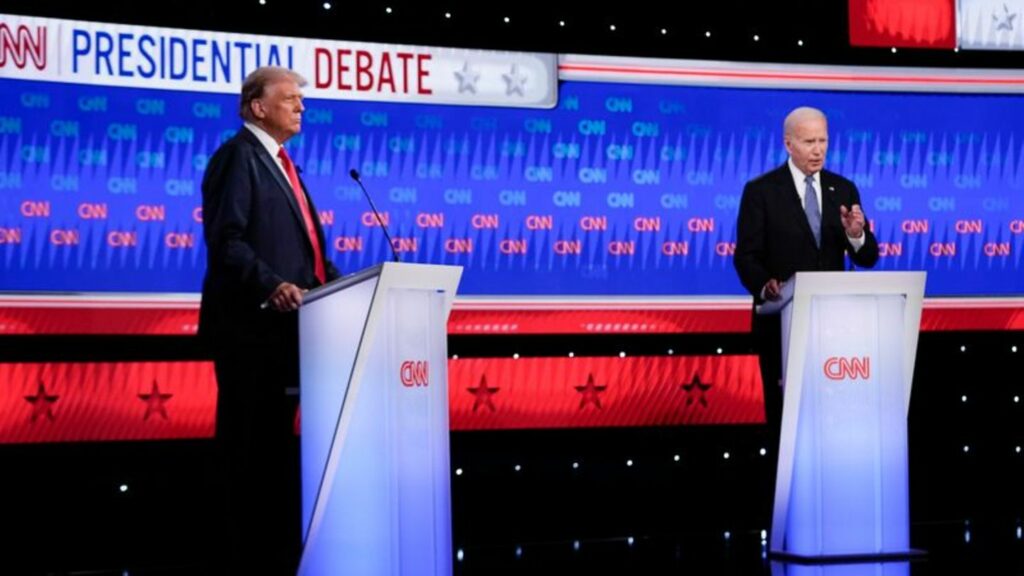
[
  {"x": 482, "y": 394},
  {"x": 467, "y": 78},
  {"x": 700, "y": 387},
  {"x": 155, "y": 401},
  {"x": 515, "y": 82},
  {"x": 42, "y": 403},
  {"x": 590, "y": 393},
  {"x": 1005, "y": 22}
]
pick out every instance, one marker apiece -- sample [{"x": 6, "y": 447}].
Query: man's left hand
[{"x": 853, "y": 220}]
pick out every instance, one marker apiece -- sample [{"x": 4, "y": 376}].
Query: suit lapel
[
  {"x": 275, "y": 172},
  {"x": 792, "y": 200},
  {"x": 829, "y": 203}
]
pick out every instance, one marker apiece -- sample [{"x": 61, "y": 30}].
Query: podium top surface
[
  {"x": 845, "y": 284},
  {"x": 427, "y": 271}
]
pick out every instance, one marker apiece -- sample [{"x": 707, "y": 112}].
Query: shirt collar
[
  {"x": 800, "y": 178},
  {"x": 266, "y": 139}
]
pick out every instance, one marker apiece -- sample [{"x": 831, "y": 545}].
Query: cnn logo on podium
[
  {"x": 414, "y": 373},
  {"x": 853, "y": 368}
]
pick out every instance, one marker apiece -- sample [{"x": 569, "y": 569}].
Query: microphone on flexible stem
[{"x": 383, "y": 226}]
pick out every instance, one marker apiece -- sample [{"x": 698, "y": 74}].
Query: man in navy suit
[
  {"x": 798, "y": 217},
  {"x": 265, "y": 248}
]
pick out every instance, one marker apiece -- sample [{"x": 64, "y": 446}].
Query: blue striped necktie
[{"x": 812, "y": 210}]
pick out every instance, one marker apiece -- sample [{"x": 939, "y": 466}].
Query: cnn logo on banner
[
  {"x": 853, "y": 368},
  {"x": 414, "y": 373}
]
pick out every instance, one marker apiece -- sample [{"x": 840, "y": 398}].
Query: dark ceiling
[{"x": 780, "y": 27}]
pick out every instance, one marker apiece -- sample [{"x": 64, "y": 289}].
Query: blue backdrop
[{"x": 623, "y": 189}]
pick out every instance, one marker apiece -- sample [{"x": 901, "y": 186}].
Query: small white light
[
  {"x": 1013, "y": 349},
  {"x": 893, "y": 49},
  {"x": 764, "y": 534},
  {"x": 799, "y": 42},
  {"x": 967, "y": 536},
  {"x": 519, "y": 551},
  {"x": 963, "y": 348},
  {"x": 629, "y": 462},
  {"x": 622, "y": 354},
  {"x": 575, "y": 465},
  {"x": 963, "y": 398},
  {"x": 1020, "y": 533},
  {"x": 1016, "y": 399},
  {"x": 762, "y": 452},
  {"x": 675, "y": 458},
  {"x": 448, "y": 15},
  {"x": 123, "y": 488},
  {"x": 571, "y": 354},
  {"x": 757, "y": 38},
  {"x": 507, "y": 19},
  {"x": 957, "y": 49},
  {"x": 671, "y": 351},
  {"x": 1017, "y": 449},
  {"x": 327, "y": 5},
  {"x": 707, "y": 34},
  {"x": 561, "y": 23},
  {"x": 455, "y": 356},
  {"x": 664, "y": 31},
  {"x": 629, "y": 540},
  {"x": 966, "y": 448},
  {"x": 612, "y": 27},
  {"x": 576, "y": 545},
  {"x": 263, "y": 2},
  {"x": 727, "y": 535},
  {"x": 515, "y": 356},
  {"x": 725, "y": 455},
  {"x": 459, "y": 555},
  {"x": 388, "y": 9},
  {"x": 458, "y": 471},
  {"x": 719, "y": 350},
  {"x": 518, "y": 468}
]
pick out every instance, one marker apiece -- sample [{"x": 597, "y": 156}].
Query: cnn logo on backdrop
[
  {"x": 414, "y": 373},
  {"x": 853, "y": 368}
]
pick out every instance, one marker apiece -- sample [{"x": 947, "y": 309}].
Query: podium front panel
[
  {"x": 380, "y": 504},
  {"x": 849, "y": 491}
]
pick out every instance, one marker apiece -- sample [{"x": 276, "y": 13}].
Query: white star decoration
[
  {"x": 467, "y": 78},
  {"x": 515, "y": 82},
  {"x": 1006, "y": 22}
]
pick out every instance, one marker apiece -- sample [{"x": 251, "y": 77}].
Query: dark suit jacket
[
  {"x": 255, "y": 239},
  {"x": 774, "y": 240}
]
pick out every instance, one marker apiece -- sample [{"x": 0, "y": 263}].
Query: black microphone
[{"x": 384, "y": 227}]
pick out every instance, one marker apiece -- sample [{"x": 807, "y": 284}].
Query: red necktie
[{"x": 307, "y": 217}]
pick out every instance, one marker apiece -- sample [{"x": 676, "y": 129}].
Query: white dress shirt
[{"x": 270, "y": 144}]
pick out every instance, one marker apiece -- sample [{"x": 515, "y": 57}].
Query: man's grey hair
[
  {"x": 799, "y": 115},
  {"x": 256, "y": 83}
]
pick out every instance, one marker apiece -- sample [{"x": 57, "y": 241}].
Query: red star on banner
[
  {"x": 155, "y": 401},
  {"x": 590, "y": 393},
  {"x": 42, "y": 403},
  {"x": 700, "y": 387},
  {"x": 482, "y": 394}
]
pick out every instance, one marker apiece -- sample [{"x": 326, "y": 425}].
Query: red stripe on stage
[
  {"x": 92, "y": 316},
  {"x": 589, "y": 392},
  {"x": 100, "y": 401}
]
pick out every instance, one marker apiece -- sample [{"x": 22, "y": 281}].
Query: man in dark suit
[
  {"x": 265, "y": 248},
  {"x": 796, "y": 218}
]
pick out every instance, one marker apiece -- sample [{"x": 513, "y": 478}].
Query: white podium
[
  {"x": 849, "y": 342},
  {"x": 376, "y": 495}
]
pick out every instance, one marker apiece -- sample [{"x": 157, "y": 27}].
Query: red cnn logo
[
  {"x": 414, "y": 373},
  {"x": 837, "y": 368},
  {"x": 19, "y": 45}
]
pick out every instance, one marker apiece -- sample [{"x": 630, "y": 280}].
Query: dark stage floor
[{"x": 953, "y": 547}]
